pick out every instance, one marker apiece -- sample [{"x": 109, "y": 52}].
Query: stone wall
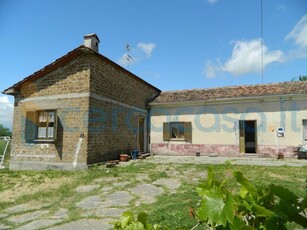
[
  {"x": 93, "y": 97},
  {"x": 118, "y": 99},
  {"x": 66, "y": 91},
  {"x": 115, "y": 83},
  {"x": 112, "y": 130}
]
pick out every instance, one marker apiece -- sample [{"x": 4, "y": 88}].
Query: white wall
[{"x": 219, "y": 123}]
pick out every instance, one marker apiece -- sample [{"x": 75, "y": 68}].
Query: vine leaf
[
  {"x": 217, "y": 208},
  {"x": 238, "y": 224},
  {"x": 126, "y": 219},
  {"x": 135, "y": 226},
  {"x": 246, "y": 186},
  {"x": 263, "y": 212}
]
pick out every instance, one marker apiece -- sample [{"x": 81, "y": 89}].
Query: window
[
  {"x": 177, "y": 131},
  {"x": 45, "y": 124},
  {"x": 40, "y": 125},
  {"x": 305, "y": 130}
]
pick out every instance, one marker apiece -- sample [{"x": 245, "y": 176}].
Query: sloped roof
[
  {"x": 231, "y": 92},
  {"x": 64, "y": 60}
]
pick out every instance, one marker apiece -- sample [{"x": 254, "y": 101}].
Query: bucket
[{"x": 135, "y": 154}]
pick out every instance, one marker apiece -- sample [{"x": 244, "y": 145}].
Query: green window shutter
[
  {"x": 188, "y": 131},
  {"x": 30, "y": 126},
  {"x": 166, "y": 131}
]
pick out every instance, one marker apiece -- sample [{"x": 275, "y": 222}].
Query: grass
[{"x": 170, "y": 209}]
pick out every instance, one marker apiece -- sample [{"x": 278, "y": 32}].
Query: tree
[
  {"x": 300, "y": 78},
  {"x": 4, "y": 131}
]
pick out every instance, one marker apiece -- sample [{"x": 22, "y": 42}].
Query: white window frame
[{"x": 46, "y": 124}]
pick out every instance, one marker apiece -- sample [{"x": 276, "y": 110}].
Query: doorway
[
  {"x": 141, "y": 134},
  {"x": 248, "y": 136}
]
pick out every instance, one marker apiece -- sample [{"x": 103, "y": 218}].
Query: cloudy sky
[{"x": 172, "y": 44}]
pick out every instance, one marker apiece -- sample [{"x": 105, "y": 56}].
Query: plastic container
[{"x": 135, "y": 154}]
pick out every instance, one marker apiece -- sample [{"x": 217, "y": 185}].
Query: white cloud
[
  {"x": 246, "y": 58},
  {"x": 6, "y": 112},
  {"x": 299, "y": 35},
  {"x": 136, "y": 54},
  {"x": 146, "y": 48}
]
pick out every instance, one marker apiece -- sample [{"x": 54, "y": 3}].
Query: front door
[
  {"x": 141, "y": 134},
  {"x": 248, "y": 136}
]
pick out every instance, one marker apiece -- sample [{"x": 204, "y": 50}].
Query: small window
[
  {"x": 40, "y": 125},
  {"x": 46, "y": 124},
  {"x": 177, "y": 131},
  {"x": 305, "y": 130}
]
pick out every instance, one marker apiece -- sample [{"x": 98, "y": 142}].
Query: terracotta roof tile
[{"x": 283, "y": 88}]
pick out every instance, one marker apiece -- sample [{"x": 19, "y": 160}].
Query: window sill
[
  {"x": 44, "y": 140},
  {"x": 177, "y": 139}
]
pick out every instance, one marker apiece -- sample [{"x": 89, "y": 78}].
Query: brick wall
[
  {"x": 113, "y": 124},
  {"x": 112, "y": 130},
  {"x": 92, "y": 97},
  {"x": 71, "y": 81},
  {"x": 109, "y": 81}
]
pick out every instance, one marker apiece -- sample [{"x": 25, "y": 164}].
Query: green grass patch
[{"x": 170, "y": 209}]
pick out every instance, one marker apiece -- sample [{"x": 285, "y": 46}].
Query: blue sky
[{"x": 175, "y": 44}]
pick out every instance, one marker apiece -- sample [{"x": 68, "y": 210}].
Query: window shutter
[
  {"x": 305, "y": 129},
  {"x": 30, "y": 126},
  {"x": 188, "y": 131},
  {"x": 166, "y": 131}
]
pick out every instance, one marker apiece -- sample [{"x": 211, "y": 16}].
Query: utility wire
[{"x": 261, "y": 31}]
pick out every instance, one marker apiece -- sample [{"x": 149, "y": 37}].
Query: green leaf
[
  {"x": 202, "y": 189},
  {"x": 246, "y": 186},
  {"x": 216, "y": 209},
  {"x": 284, "y": 193},
  {"x": 126, "y": 218},
  {"x": 263, "y": 212},
  {"x": 142, "y": 218},
  {"x": 239, "y": 224},
  {"x": 210, "y": 179},
  {"x": 275, "y": 223},
  {"x": 135, "y": 226}
]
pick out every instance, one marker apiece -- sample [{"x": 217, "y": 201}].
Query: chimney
[{"x": 92, "y": 41}]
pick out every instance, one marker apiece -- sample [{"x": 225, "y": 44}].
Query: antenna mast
[{"x": 128, "y": 57}]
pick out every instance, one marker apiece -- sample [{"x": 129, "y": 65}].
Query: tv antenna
[{"x": 128, "y": 57}]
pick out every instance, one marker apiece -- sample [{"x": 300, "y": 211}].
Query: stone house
[
  {"x": 80, "y": 110},
  {"x": 262, "y": 120},
  {"x": 84, "y": 109}
]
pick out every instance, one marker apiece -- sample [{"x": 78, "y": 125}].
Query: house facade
[
  {"x": 262, "y": 120},
  {"x": 80, "y": 110},
  {"x": 84, "y": 109}
]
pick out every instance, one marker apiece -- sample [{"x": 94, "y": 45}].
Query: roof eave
[
  {"x": 13, "y": 90},
  {"x": 227, "y": 100},
  {"x": 10, "y": 91}
]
